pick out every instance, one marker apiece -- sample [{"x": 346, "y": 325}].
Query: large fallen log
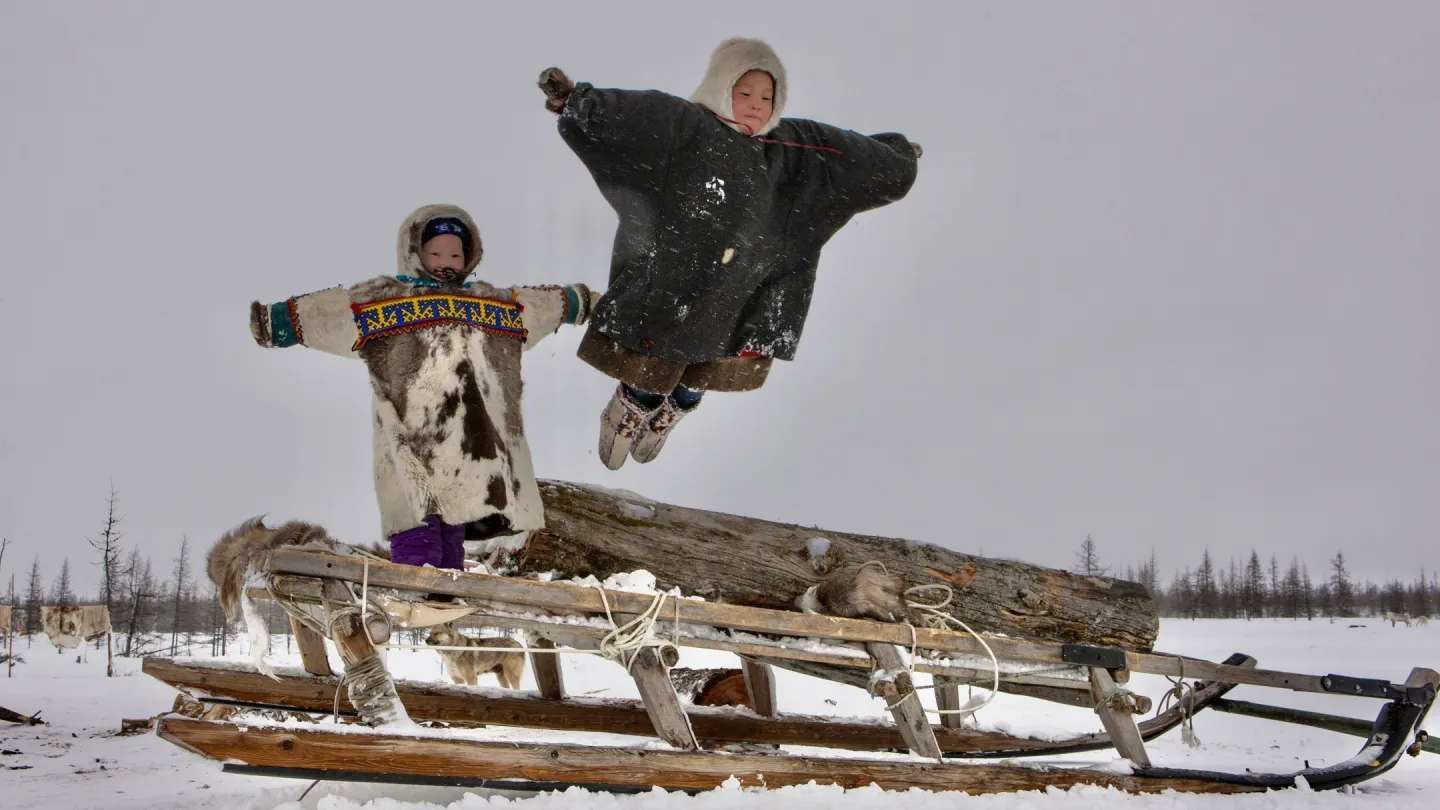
[
  {"x": 748, "y": 561},
  {"x": 712, "y": 686}
]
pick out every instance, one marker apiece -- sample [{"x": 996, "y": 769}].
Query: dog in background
[{"x": 466, "y": 667}]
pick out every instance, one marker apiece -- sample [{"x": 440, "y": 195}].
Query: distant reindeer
[
  {"x": 1422, "y": 621},
  {"x": 1393, "y": 618}
]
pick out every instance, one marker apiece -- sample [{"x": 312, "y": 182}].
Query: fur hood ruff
[
  {"x": 408, "y": 243},
  {"x": 732, "y": 59}
]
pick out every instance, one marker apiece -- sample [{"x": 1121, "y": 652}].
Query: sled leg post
[
  {"x": 651, "y": 672},
  {"x": 367, "y": 682},
  {"x": 1117, "y": 715},
  {"x": 547, "y": 670},
  {"x": 652, "y": 677},
  {"x": 947, "y": 697},
  {"x": 312, "y": 649},
  {"x": 760, "y": 684},
  {"x": 899, "y": 692}
]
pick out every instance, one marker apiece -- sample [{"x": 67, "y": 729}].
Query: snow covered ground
[{"x": 80, "y": 760}]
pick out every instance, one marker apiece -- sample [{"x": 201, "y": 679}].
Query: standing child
[
  {"x": 724, "y": 207},
  {"x": 444, "y": 362}
]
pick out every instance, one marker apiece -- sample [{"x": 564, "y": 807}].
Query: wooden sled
[{"x": 325, "y": 591}]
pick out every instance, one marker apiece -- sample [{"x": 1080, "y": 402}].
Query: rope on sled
[
  {"x": 1183, "y": 695},
  {"x": 637, "y": 634},
  {"x": 933, "y": 616},
  {"x": 622, "y": 644}
]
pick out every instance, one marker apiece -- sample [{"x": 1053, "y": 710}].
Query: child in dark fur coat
[{"x": 724, "y": 207}]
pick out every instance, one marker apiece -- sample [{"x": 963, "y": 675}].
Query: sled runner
[{"x": 391, "y": 730}]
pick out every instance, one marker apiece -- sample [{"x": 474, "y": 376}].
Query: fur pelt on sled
[
  {"x": 865, "y": 592},
  {"x": 238, "y": 561}
]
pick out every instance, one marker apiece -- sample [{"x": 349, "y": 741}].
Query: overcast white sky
[{"x": 1168, "y": 276}]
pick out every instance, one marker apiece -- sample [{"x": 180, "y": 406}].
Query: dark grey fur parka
[{"x": 720, "y": 232}]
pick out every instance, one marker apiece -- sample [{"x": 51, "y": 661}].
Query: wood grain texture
[
  {"x": 748, "y": 561},
  {"x": 628, "y": 767},
  {"x": 566, "y": 597},
  {"x": 459, "y": 704}
]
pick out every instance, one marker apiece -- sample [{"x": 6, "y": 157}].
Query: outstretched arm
[
  {"x": 548, "y": 307},
  {"x": 609, "y": 125},
  {"x": 862, "y": 171},
  {"x": 321, "y": 320}
]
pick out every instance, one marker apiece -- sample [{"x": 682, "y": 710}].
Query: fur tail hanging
[{"x": 235, "y": 564}]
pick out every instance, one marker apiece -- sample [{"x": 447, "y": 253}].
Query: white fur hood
[
  {"x": 408, "y": 243},
  {"x": 732, "y": 59}
]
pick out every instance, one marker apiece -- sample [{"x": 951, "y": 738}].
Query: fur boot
[
  {"x": 648, "y": 446},
  {"x": 621, "y": 423}
]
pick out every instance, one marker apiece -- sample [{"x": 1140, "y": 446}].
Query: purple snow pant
[{"x": 434, "y": 543}]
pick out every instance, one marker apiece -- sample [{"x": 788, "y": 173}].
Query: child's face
[
  {"x": 752, "y": 100},
  {"x": 443, "y": 257}
]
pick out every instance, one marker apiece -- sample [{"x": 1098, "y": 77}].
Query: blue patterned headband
[{"x": 451, "y": 225}]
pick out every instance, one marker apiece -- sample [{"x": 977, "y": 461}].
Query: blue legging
[{"x": 686, "y": 398}]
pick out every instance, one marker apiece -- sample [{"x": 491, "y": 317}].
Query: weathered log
[
  {"x": 712, "y": 686},
  {"x": 23, "y": 719},
  {"x": 749, "y": 561}
]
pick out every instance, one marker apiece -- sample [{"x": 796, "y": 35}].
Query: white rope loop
[
  {"x": 933, "y": 616},
  {"x": 624, "y": 643},
  {"x": 621, "y": 645},
  {"x": 1183, "y": 695}
]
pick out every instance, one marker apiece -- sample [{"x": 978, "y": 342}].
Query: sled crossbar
[{"x": 488, "y": 589}]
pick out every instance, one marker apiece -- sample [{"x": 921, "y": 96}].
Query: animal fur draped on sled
[{"x": 239, "y": 561}]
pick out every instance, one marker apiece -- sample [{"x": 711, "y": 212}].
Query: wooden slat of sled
[
  {"x": 1058, "y": 690},
  {"x": 574, "y": 597},
  {"x": 399, "y": 757},
  {"x": 458, "y": 705}
]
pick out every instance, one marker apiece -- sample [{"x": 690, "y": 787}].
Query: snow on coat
[
  {"x": 444, "y": 363},
  {"x": 720, "y": 233}
]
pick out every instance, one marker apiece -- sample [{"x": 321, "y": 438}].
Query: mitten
[
  {"x": 260, "y": 324},
  {"x": 556, "y": 86}
]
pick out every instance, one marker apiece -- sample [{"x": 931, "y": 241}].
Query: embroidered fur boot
[
  {"x": 623, "y": 421},
  {"x": 648, "y": 446}
]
